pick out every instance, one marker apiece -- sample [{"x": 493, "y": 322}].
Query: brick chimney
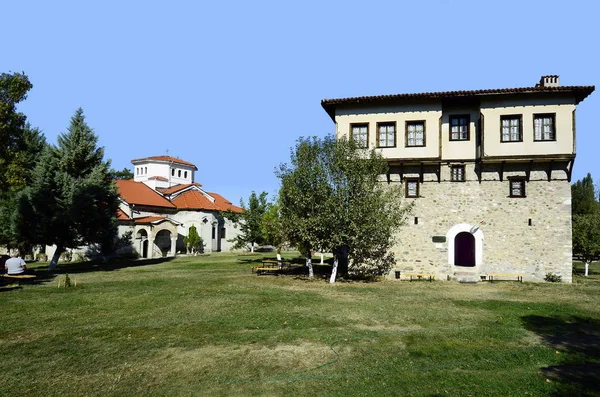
[{"x": 549, "y": 81}]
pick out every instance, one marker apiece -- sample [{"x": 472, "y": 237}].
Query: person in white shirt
[{"x": 15, "y": 265}]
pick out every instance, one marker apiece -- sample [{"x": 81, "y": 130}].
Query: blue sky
[{"x": 231, "y": 85}]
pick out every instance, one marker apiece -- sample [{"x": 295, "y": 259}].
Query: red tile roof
[
  {"x": 580, "y": 93},
  {"x": 165, "y": 159},
  {"x": 194, "y": 200},
  {"x": 158, "y": 178},
  {"x": 149, "y": 219},
  {"x": 122, "y": 216},
  {"x": 177, "y": 188},
  {"x": 223, "y": 204},
  {"x": 140, "y": 194}
]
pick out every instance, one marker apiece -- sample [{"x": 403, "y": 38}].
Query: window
[
  {"x": 145, "y": 170},
  {"x": 223, "y": 233},
  {"x": 360, "y": 135},
  {"x": 185, "y": 174},
  {"x": 179, "y": 173},
  {"x": 511, "y": 129},
  {"x": 459, "y": 128},
  {"x": 172, "y": 171},
  {"x": 457, "y": 173},
  {"x": 517, "y": 188},
  {"x": 412, "y": 187},
  {"x": 415, "y": 133},
  {"x": 214, "y": 232},
  {"x": 386, "y": 134},
  {"x": 543, "y": 127}
]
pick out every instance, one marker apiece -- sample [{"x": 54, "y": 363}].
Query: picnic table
[{"x": 270, "y": 266}]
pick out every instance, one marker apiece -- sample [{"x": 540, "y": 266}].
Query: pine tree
[{"x": 72, "y": 200}]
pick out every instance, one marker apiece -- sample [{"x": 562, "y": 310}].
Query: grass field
[{"x": 207, "y": 326}]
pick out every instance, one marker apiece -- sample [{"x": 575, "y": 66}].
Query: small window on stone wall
[
  {"x": 223, "y": 233},
  {"x": 517, "y": 188},
  {"x": 458, "y": 173},
  {"x": 412, "y": 187}
]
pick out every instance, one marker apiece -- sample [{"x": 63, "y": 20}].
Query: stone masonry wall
[{"x": 510, "y": 244}]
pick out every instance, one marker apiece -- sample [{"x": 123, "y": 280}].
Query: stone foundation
[{"x": 529, "y": 235}]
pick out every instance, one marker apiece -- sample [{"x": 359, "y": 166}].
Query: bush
[{"x": 553, "y": 278}]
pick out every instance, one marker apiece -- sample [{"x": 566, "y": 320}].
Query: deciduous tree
[
  {"x": 304, "y": 197},
  {"x": 586, "y": 221},
  {"x": 586, "y": 238},
  {"x": 250, "y": 221},
  {"x": 331, "y": 198},
  {"x": 20, "y": 145},
  {"x": 13, "y": 89}
]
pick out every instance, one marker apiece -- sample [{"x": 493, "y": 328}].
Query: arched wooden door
[{"x": 464, "y": 249}]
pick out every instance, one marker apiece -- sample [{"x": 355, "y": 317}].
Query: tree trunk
[
  {"x": 334, "y": 270},
  {"x": 55, "y": 258},
  {"x": 587, "y": 265},
  {"x": 342, "y": 254},
  {"x": 311, "y": 274}
]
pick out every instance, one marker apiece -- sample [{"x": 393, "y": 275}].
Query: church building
[{"x": 162, "y": 202}]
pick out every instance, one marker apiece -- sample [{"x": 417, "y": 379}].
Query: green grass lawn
[{"x": 207, "y": 326}]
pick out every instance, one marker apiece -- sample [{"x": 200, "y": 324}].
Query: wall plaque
[{"x": 438, "y": 239}]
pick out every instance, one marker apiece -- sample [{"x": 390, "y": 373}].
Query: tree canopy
[
  {"x": 586, "y": 219},
  {"x": 250, "y": 221},
  {"x": 13, "y": 89},
  {"x": 72, "y": 200},
  {"x": 125, "y": 173},
  {"x": 193, "y": 242},
  {"x": 20, "y": 146},
  {"x": 584, "y": 197},
  {"x": 331, "y": 199}
]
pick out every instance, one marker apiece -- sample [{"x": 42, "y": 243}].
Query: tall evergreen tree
[
  {"x": 584, "y": 196},
  {"x": 72, "y": 200}
]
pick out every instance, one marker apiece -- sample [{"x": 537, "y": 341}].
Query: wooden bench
[
  {"x": 267, "y": 270},
  {"x": 420, "y": 276},
  {"x": 18, "y": 277},
  {"x": 270, "y": 266},
  {"x": 496, "y": 276}
]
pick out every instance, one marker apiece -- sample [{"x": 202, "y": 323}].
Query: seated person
[{"x": 15, "y": 265}]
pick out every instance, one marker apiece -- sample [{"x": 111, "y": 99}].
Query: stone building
[{"x": 489, "y": 172}]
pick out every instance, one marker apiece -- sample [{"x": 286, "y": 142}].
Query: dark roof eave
[{"x": 580, "y": 93}]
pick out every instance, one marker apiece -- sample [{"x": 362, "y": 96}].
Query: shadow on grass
[
  {"x": 580, "y": 339},
  {"x": 44, "y": 275},
  {"x": 5, "y": 287}
]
